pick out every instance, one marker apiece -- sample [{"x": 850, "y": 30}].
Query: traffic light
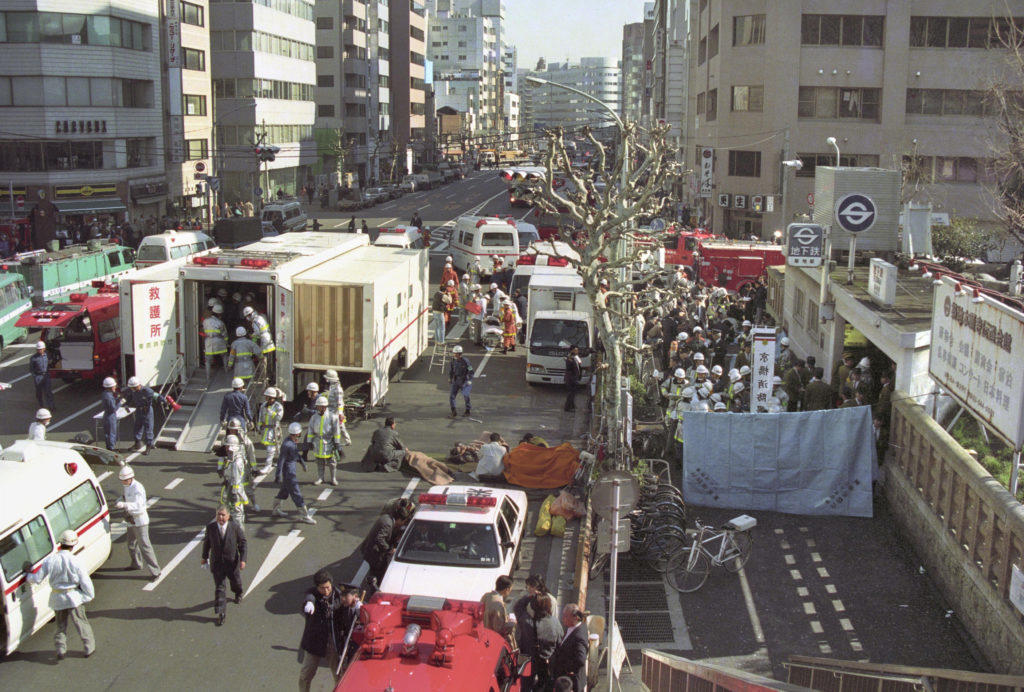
[{"x": 266, "y": 152}]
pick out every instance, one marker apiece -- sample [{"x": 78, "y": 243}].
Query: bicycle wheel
[
  {"x": 663, "y": 547},
  {"x": 739, "y": 544},
  {"x": 598, "y": 565},
  {"x": 686, "y": 572}
]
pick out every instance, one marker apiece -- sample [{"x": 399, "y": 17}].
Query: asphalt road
[{"x": 160, "y": 635}]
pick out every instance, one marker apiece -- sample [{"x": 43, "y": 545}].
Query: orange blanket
[{"x": 530, "y": 466}]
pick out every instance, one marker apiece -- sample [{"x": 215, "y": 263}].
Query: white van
[
  {"x": 525, "y": 271},
  {"x": 483, "y": 237},
  {"x": 169, "y": 245},
  {"x": 400, "y": 236},
  {"x": 290, "y": 215},
  {"x": 48, "y": 489}
]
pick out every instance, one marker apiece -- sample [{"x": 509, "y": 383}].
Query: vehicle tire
[
  {"x": 743, "y": 543},
  {"x": 685, "y": 577}
]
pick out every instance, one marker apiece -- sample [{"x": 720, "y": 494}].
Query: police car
[{"x": 459, "y": 541}]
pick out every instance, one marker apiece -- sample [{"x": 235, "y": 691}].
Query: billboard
[{"x": 976, "y": 354}]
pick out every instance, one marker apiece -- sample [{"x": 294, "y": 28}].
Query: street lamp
[{"x": 832, "y": 141}]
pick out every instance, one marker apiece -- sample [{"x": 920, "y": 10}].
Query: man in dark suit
[
  {"x": 570, "y": 657},
  {"x": 224, "y": 547},
  {"x": 386, "y": 451},
  {"x": 817, "y": 394},
  {"x": 573, "y": 373},
  {"x": 379, "y": 545}
]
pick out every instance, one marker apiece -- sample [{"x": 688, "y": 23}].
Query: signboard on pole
[
  {"x": 976, "y": 354},
  {"x": 707, "y": 169},
  {"x": 882, "y": 282},
  {"x": 175, "y": 117},
  {"x": 856, "y": 213},
  {"x": 805, "y": 244},
  {"x": 762, "y": 368}
]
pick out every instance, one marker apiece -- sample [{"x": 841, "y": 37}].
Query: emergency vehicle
[
  {"x": 735, "y": 264},
  {"x": 458, "y": 542},
  {"x": 82, "y": 335},
  {"x": 681, "y": 244},
  {"x": 53, "y": 276},
  {"x": 14, "y": 299},
  {"x": 482, "y": 238},
  {"x": 48, "y": 489},
  {"x": 417, "y": 643}
]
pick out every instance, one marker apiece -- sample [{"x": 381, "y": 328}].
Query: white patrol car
[{"x": 459, "y": 541}]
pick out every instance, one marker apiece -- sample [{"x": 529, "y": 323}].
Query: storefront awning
[{"x": 99, "y": 205}]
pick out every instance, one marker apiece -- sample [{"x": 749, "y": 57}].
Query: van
[
  {"x": 400, "y": 236},
  {"x": 415, "y": 182},
  {"x": 527, "y": 233},
  {"x": 483, "y": 237},
  {"x": 526, "y": 271},
  {"x": 49, "y": 488},
  {"x": 287, "y": 215},
  {"x": 169, "y": 245}
]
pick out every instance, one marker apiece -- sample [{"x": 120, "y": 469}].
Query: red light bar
[
  {"x": 558, "y": 261},
  {"x": 474, "y": 501},
  {"x": 526, "y": 259},
  {"x": 97, "y": 283},
  {"x": 253, "y": 263},
  {"x": 78, "y": 297},
  {"x": 433, "y": 499},
  {"x": 205, "y": 261},
  {"x": 481, "y": 222}
]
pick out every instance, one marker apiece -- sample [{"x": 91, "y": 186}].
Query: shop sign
[
  {"x": 80, "y": 127},
  {"x": 68, "y": 191}
]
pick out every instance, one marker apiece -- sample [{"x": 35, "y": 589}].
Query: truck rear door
[
  {"x": 283, "y": 306},
  {"x": 154, "y": 329}
]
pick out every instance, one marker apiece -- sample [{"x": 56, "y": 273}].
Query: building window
[
  {"x": 192, "y": 14},
  {"x": 745, "y": 164},
  {"x": 325, "y": 23},
  {"x": 713, "y": 42},
  {"x": 700, "y": 103},
  {"x": 748, "y": 98},
  {"x": 702, "y": 51},
  {"x": 841, "y": 30},
  {"x": 832, "y": 102},
  {"x": 799, "y": 299},
  {"x": 74, "y": 29},
  {"x": 960, "y": 32},
  {"x": 812, "y": 161},
  {"x": 135, "y": 93},
  {"x": 948, "y": 102},
  {"x": 325, "y": 111},
  {"x": 325, "y": 80},
  {"x": 325, "y": 52},
  {"x": 712, "y": 113},
  {"x": 748, "y": 30},
  {"x": 194, "y": 59},
  {"x": 195, "y": 149},
  {"x": 195, "y": 104}
]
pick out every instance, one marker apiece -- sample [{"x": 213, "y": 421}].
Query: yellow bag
[
  {"x": 544, "y": 517},
  {"x": 557, "y": 526}
]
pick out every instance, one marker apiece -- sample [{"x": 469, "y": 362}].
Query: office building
[
  {"x": 633, "y": 71},
  {"x": 554, "y": 107},
  {"x": 408, "y": 55}
]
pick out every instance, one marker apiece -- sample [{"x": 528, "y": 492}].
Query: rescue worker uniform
[
  {"x": 141, "y": 399},
  {"x": 289, "y": 480},
  {"x": 449, "y": 274},
  {"x": 232, "y": 489},
  {"x": 460, "y": 379},
  {"x": 269, "y": 430},
  {"x": 140, "y": 549},
  {"x": 39, "y": 366},
  {"x": 109, "y": 403},
  {"x": 235, "y": 404},
  {"x": 508, "y": 333},
  {"x": 452, "y": 305},
  {"x": 324, "y": 434},
  {"x": 262, "y": 335},
  {"x": 672, "y": 389},
  {"x": 243, "y": 351},
  {"x": 476, "y": 318},
  {"x": 70, "y": 589},
  {"x": 215, "y": 341},
  {"x": 37, "y": 431},
  {"x": 251, "y": 470},
  {"x": 336, "y": 404}
]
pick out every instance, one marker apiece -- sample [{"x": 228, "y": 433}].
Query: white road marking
[
  {"x": 838, "y": 605},
  {"x": 816, "y": 627},
  {"x": 830, "y": 588},
  {"x": 846, "y": 624},
  {"x": 365, "y": 567},
  {"x": 283, "y": 546},
  {"x": 815, "y": 557},
  {"x": 62, "y": 387},
  {"x": 173, "y": 484},
  {"x": 803, "y": 591},
  {"x": 73, "y": 415},
  {"x": 748, "y": 598},
  {"x": 325, "y": 494},
  {"x": 19, "y": 378},
  {"x": 480, "y": 370},
  {"x": 32, "y": 346},
  {"x": 523, "y": 217},
  {"x": 790, "y": 560},
  {"x": 176, "y": 560},
  {"x": 103, "y": 476},
  {"x": 809, "y": 608},
  {"x": 823, "y": 573},
  {"x": 16, "y": 359},
  {"x": 795, "y": 573},
  {"x": 382, "y": 224}
]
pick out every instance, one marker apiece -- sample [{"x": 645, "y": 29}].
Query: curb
[{"x": 581, "y": 581}]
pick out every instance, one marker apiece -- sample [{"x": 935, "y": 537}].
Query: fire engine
[
  {"x": 415, "y": 643},
  {"x": 733, "y": 265},
  {"x": 82, "y": 335},
  {"x": 681, "y": 244}
]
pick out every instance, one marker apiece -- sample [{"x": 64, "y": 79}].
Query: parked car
[
  {"x": 376, "y": 195},
  {"x": 394, "y": 191}
]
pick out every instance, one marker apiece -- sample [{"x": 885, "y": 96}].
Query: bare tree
[
  {"x": 602, "y": 227},
  {"x": 1006, "y": 101}
]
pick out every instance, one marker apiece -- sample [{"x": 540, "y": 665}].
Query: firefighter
[
  {"x": 37, "y": 429},
  {"x": 242, "y": 357},
  {"x": 477, "y": 314},
  {"x": 109, "y": 402},
  {"x": 232, "y": 489},
  {"x": 236, "y": 427},
  {"x": 215, "y": 337},
  {"x": 307, "y": 404},
  {"x": 449, "y": 277},
  {"x": 672, "y": 389},
  {"x": 39, "y": 368},
  {"x": 262, "y": 335},
  {"x": 476, "y": 270},
  {"x": 685, "y": 403},
  {"x": 336, "y": 402},
  {"x": 236, "y": 403},
  {"x": 287, "y": 477},
  {"x": 269, "y": 421},
  {"x": 508, "y": 324},
  {"x": 324, "y": 436},
  {"x": 452, "y": 302},
  {"x": 141, "y": 399}
]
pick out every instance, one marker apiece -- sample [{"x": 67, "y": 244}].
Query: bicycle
[{"x": 689, "y": 568}]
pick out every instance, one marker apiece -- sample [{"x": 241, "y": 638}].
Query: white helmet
[
  {"x": 776, "y": 381},
  {"x": 682, "y": 336},
  {"x": 716, "y": 397},
  {"x": 746, "y": 323},
  {"x": 784, "y": 341},
  {"x": 239, "y": 331},
  {"x": 738, "y": 388},
  {"x": 232, "y": 442},
  {"x": 331, "y": 375},
  {"x": 40, "y": 344},
  {"x": 218, "y": 309},
  {"x": 698, "y": 356},
  {"x": 864, "y": 363},
  {"x": 719, "y": 406},
  {"x": 236, "y": 296},
  {"x": 212, "y": 302},
  {"x": 744, "y": 371},
  {"x": 295, "y": 429},
  {"x": 312, "y": 387},
  {"x": 716, "y": 370},
  {"x": 447, "y": 265},
  {"x": 320, "y": 401},
  {"x": 734, "y": 375},
  {"x": 476, "y": 287},
  {"x": 222, "y": 292},
  {"x": 126, "y": 473},
  {"x": 43, "y": 414},
  {"x": 271, "y": 392},
  {"x": 69, "y": 538},
  {"x": 237, "y": 383},
  {"x": 603, "y": 282},
  {"x": 465, "y": 277},
  {"x": 134, "y": 382},
  {"x": 701, "y": 370},
  {"x": 698, "y": 329},
  {"x": 493, "y": 286},
  {"x": 457, "y": 349},
  {"x": 689, "y": 393},
  {"x": 234, "y": 423},
  {"x": 450, "y": 283},
  {"x": 679, "y": 373},
  {"x": 109, "y": 383},
  {"x": 448, "y": 259},
  {"x": 247, "y": 311}
]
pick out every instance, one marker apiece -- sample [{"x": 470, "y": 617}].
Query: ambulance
[{"x": 48, "y": 489}]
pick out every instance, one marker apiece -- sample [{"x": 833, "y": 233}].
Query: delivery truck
[{"x": 559, "y": 316}]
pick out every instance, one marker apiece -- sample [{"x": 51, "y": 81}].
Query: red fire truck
[
  {"x": 734, "y": 264},
  {"x": 415, "y": 643},
  {"x": 82, "y": 335},
  {"x": 681, "y": 244}
]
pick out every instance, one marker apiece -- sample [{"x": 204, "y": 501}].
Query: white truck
[
  {"x": 559, "y": 316},
  {"x": 332, "y": 302}
]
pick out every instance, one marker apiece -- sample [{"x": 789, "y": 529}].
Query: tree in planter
[
  {"x": 959, "y": 242},
  {"x": 598, "y": 220}
]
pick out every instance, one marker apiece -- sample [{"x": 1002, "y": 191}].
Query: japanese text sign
[{"x": 762, "y": 367}]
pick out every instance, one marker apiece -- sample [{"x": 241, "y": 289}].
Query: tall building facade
[
  {"x": 408, "y": 57},
  {"x": 265, "y": 81},
  {"x": 83, "y": 111},
  {"x": 892, "y": 82},
  {"x": 554, "y": 107},
  {"x": 465, "y": 50},
  {"x": 633, "y": 71}
]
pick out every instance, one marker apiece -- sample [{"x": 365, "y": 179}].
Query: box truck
[{"x": 559, "y": 316}]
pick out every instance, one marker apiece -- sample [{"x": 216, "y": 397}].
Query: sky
[{"x": 562, "y": 30}]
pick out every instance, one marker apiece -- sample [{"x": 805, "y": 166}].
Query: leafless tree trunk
[{"x": 1006, "y": 102}]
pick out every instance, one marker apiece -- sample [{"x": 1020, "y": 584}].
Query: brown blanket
[{"x": 431, "y": 470}]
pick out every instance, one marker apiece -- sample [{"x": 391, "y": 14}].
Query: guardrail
[
  {"x": 831, "y": 675},
  {"x": 666, "y": 673},
  {"x": 967, "y": 528}
]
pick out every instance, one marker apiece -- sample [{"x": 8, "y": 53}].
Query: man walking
[
  {"x": 235, "y": 403},
  {"x": 232, "y": 490},
  {"x": 330, "y": 614},
  {"x": 141, "y": 399},
  {"x": 460, "y": 379},
  {"x": 108, "y": 400},
  {"x": 288, "y": 478},
  {"x": 39, "y": 367},
  {"x": 135, "y": 505},
  {"x": 70, "y": 589},
  {"x": 570, "y": 656},
  {"x": 573, "y": 373},
  {"x": 224, "y": 548},
  {"x": 324, "y": 436},
  {"x": 270, "y": 416}
]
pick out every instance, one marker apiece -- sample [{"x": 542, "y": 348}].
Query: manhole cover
[
  {"x": 634, "y": 571},
  {"x": 641, "y": 597},
  {"x": 639, "y": 628}
]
